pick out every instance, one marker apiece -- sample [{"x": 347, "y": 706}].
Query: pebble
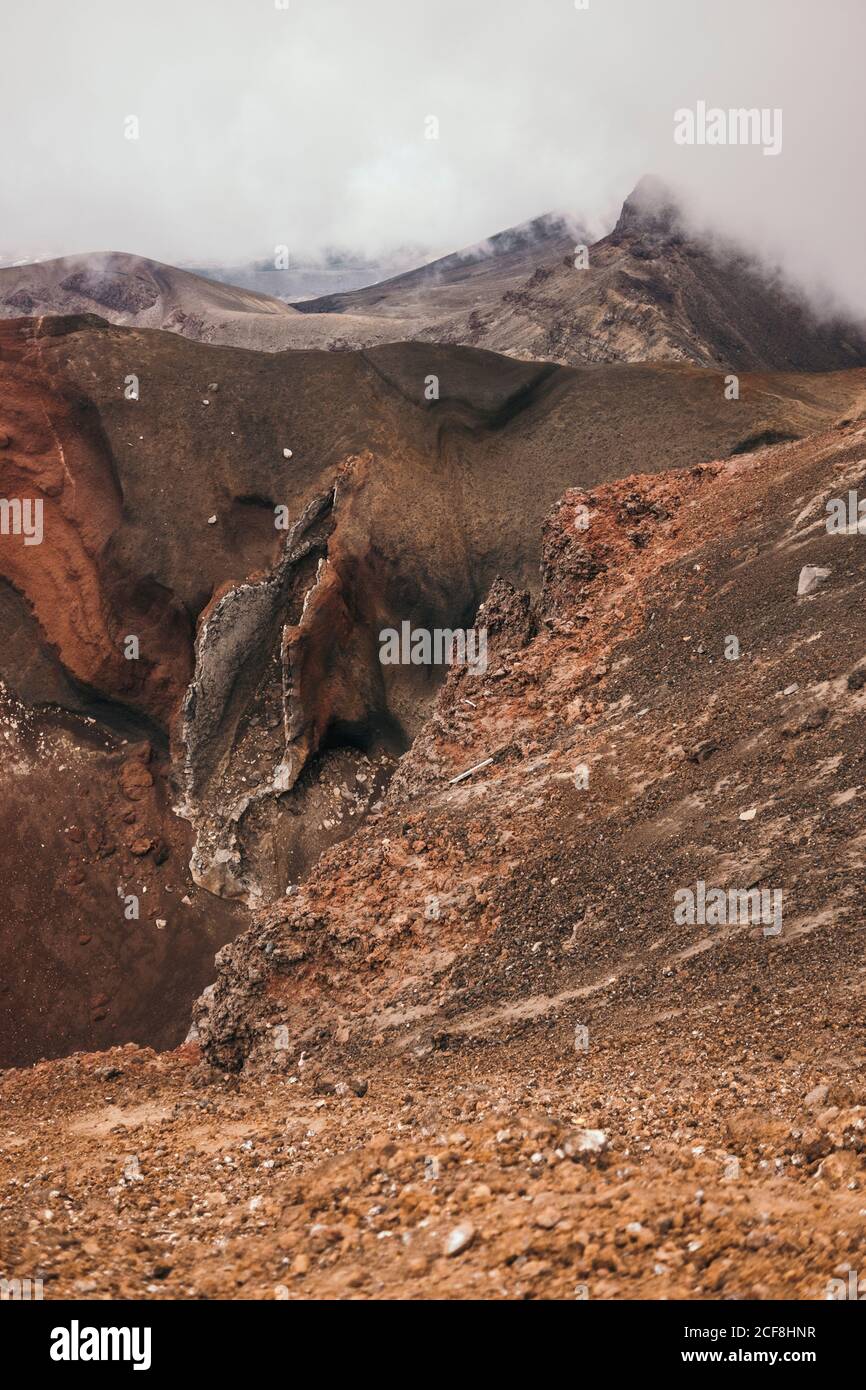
[
  {"x": 811, "y": 578},
  {"x": 459, "y": 1239},
  {"x": 584, "y": 1143},
  {"x": 817, "y": 1096}
]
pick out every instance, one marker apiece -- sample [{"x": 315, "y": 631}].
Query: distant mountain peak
[{"x": 651, "y": 208}]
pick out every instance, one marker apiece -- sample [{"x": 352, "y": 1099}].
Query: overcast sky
[{"x": 305, "y": 126}]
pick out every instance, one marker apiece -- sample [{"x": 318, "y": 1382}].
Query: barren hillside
[
  {"x": 147, "y": 778},
  {"x": 650, "y": 291},
  {"x": 141, "y": 293},
  {"x": 476, "y": 1053}
]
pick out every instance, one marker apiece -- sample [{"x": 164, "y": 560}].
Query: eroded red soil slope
[{"x": 401, "y": 1061}]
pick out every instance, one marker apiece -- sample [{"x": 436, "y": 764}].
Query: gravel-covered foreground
[{"x": 132, "y": 1175}]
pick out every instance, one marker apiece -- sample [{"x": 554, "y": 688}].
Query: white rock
[
  {"x": 749, "y": 815},
  {"x": 584, "y": 1143},
  {"x": 811, "y": 578},
  {"x": 132, "y": 1169},
  {"x": 211, "y": 521},
  {"x": 460, "y": 1238}
]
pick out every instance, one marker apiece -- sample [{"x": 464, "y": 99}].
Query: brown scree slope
[
  {"x": 401, "y": 1060},
  {"x": 191, "y": 771}
]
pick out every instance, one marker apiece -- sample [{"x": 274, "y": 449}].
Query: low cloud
[{"x": 307, "y": 126}]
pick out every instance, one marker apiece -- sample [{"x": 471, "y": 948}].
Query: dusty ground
[{"x": 126, "y": 1174}]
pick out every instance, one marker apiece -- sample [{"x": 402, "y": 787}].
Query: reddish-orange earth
[
  {"x": 478, "y": 1053},
  {"x": 152, "y": 797}
]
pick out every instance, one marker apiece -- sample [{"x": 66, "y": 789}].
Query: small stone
[
  {"x": 703, "y": 750},
  {"x": 817, "y": 1096},
  {"x": 584, "y": 1143},
  {"x": 811, "y": 578},
  {"x": 459, "y": 1239},
  {"x": 132, "y": 1169},
  {"x": 211, "y": 521},
  {"x": 826, "y": 1117}
]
